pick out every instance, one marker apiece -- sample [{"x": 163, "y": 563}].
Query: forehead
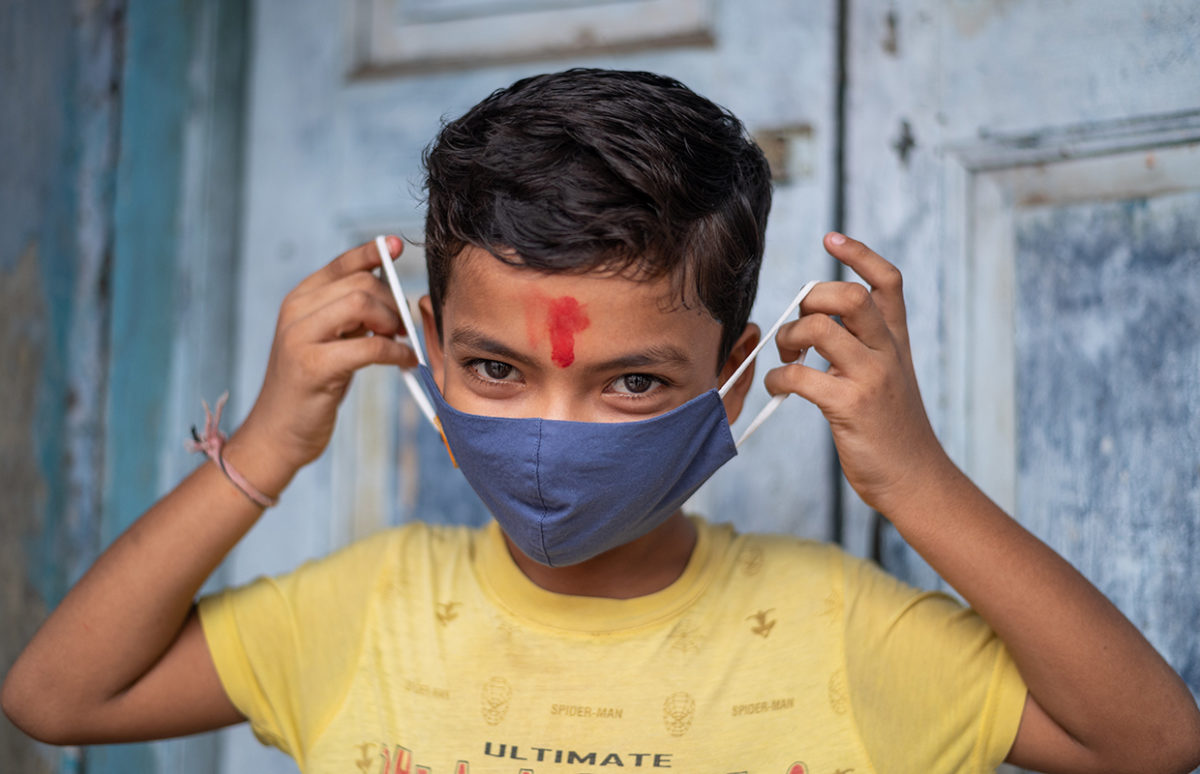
[{"x": 485, "y": 292}]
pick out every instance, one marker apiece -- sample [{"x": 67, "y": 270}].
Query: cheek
[{"x": 460, "y": 396}]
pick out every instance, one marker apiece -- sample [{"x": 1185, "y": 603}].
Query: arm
[
  {"x": 1100, "y": 698},
  {"x": 123, "y": 656}
]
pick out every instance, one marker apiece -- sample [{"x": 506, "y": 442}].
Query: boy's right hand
[
  {"x": 123, "y": 656},
  {"x": 337, "y": 320}
]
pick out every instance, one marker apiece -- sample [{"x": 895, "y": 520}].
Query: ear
[
  {"x": 736, "y": 397},
  {"x": 433, "y": 342}
]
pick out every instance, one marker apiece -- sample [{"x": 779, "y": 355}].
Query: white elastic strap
[
  {"x": 777, "y": 400},
  {"x": 410, "y": 381},
  {"x": 804, "y": 291},
  {"x": 767, "y": 410},
  {"x": 385, "y": 258}
]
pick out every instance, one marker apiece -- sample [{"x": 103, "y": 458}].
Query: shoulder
[
  {"x": 754, "y": 552},
  {"x": 751, "y": 552},
  {"x": 414, "y": 540},
  {"x": 848, "y": 584},
  {"x": 799, "y": 574},
  {"x": 351, "y": 573}
]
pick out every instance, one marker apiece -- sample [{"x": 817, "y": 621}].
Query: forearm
[
  {"x": 1101, "y": 698},
  {"x": 1084, "y": 663},
  {"x": 120, "y": 659},
  {"x": 127, "y": 610}
]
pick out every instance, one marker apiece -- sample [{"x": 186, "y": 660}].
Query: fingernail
[{"x": 836, "y": 238}]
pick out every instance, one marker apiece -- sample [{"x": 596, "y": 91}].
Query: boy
[{"x": 593, "y": 245}]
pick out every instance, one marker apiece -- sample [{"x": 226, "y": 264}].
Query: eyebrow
[
  {"x": 657, "y": 355},
  {"x": 475, "y": 339}
]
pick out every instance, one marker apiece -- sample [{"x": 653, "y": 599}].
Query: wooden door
[
  {"x": 1034, "y": 168},
  {"x": 343, "y": 98}
]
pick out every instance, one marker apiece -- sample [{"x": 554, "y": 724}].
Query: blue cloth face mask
[
  {"x": 567, "y": 491},
  {"x": 564, "y": 491}
]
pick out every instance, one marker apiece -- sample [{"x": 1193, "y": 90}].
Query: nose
[{"x": 560, "y": 405}]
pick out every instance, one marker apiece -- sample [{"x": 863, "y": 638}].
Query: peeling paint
[
  {"x": 65, "y": 66},
  {"x": 904, "y": 142},
  {"x": 891, "y": 41},
  {"x": 971, "y": 16},
  {"x": 1108, "y": 342},
  {"x": 22, "y": 608}
]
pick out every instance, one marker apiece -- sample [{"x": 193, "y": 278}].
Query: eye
[
  {"x": 492, "y": 370},
  {"x": 635, "y": 384}
]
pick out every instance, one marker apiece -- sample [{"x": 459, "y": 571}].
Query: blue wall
[{"x": 99, "y": 99}]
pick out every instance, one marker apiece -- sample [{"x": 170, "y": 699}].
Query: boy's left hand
[
  {"x": 869, "y": 394},
  {"x": 1100, "y": 698}
]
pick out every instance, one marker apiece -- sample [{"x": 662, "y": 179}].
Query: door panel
[
  {"x": 970, "y": 128},
  {"x": 337, "y": 125},
  {"x": 397, "y": 36},
  {"x": 1032, "y": 167},
  {"x": 1108, "y": 421}
]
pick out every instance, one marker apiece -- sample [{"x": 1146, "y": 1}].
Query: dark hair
[{"x": 588, "y": 170}]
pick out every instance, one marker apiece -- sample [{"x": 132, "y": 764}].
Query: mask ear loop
[
  {"x": 777, "y": 400},
  {"x": 410, "y": 381}
]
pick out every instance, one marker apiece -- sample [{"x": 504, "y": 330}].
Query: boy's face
[{"x": 584, "y": 347}]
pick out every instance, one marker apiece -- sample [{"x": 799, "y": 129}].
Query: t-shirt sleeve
[
  {"x": 285, "y": 647},
  {"x": 932, "y": 688}
]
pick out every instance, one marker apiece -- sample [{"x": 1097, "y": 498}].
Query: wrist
[
  {"x": 929, "y": 480},
  {"x": 256, "y": 458}
]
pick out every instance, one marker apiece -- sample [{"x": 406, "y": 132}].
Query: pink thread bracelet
[{"x": 212, "y": 443}]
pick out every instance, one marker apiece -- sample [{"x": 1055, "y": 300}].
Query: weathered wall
[
  {"x": 333, "y": 157},
  {"x": 58, "y": 65},
  {"x": 119, "y": 200},
  {"x": 22, "y": 344},
  {"x": 1108, "y": 399},
  {"x": 118, "y": 226},
  {"x": 1034, "y": 168}
]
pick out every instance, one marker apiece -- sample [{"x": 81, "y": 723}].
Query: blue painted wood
[
  {"x": 176, "y": 200},
  {"x": 153, "y": 111},
  {"x": 57, "y": 66},
  {"x": 58, "y": 69},
  {"x": 146, "y": 216},
  {"x": 47, "y": 166},
  {"x": 1108, "y": 404},
  {"x": 176, "y": 215}
]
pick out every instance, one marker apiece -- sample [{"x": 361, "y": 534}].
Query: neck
[{"x": 643, "y": 566}]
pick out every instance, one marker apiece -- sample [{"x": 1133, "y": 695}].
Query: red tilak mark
[{"x": 565, "y": 318}]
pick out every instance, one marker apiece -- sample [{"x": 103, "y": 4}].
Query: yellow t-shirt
[{"x": 425, "y": 649}]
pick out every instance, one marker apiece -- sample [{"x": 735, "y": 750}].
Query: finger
[
  {"x": 347, "y": 314},
  {"x": 363, "y": 258},
  {"x": 815, "y": 386},
  {"x": 841, "y": 348},
  {"x": 349, "y": 355},
  {"x": 887, "y": 288},
  {"x": 887, "y": 284},
  {"x": 855, "y": 305},
  {"x": 299, "y": 305}
]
